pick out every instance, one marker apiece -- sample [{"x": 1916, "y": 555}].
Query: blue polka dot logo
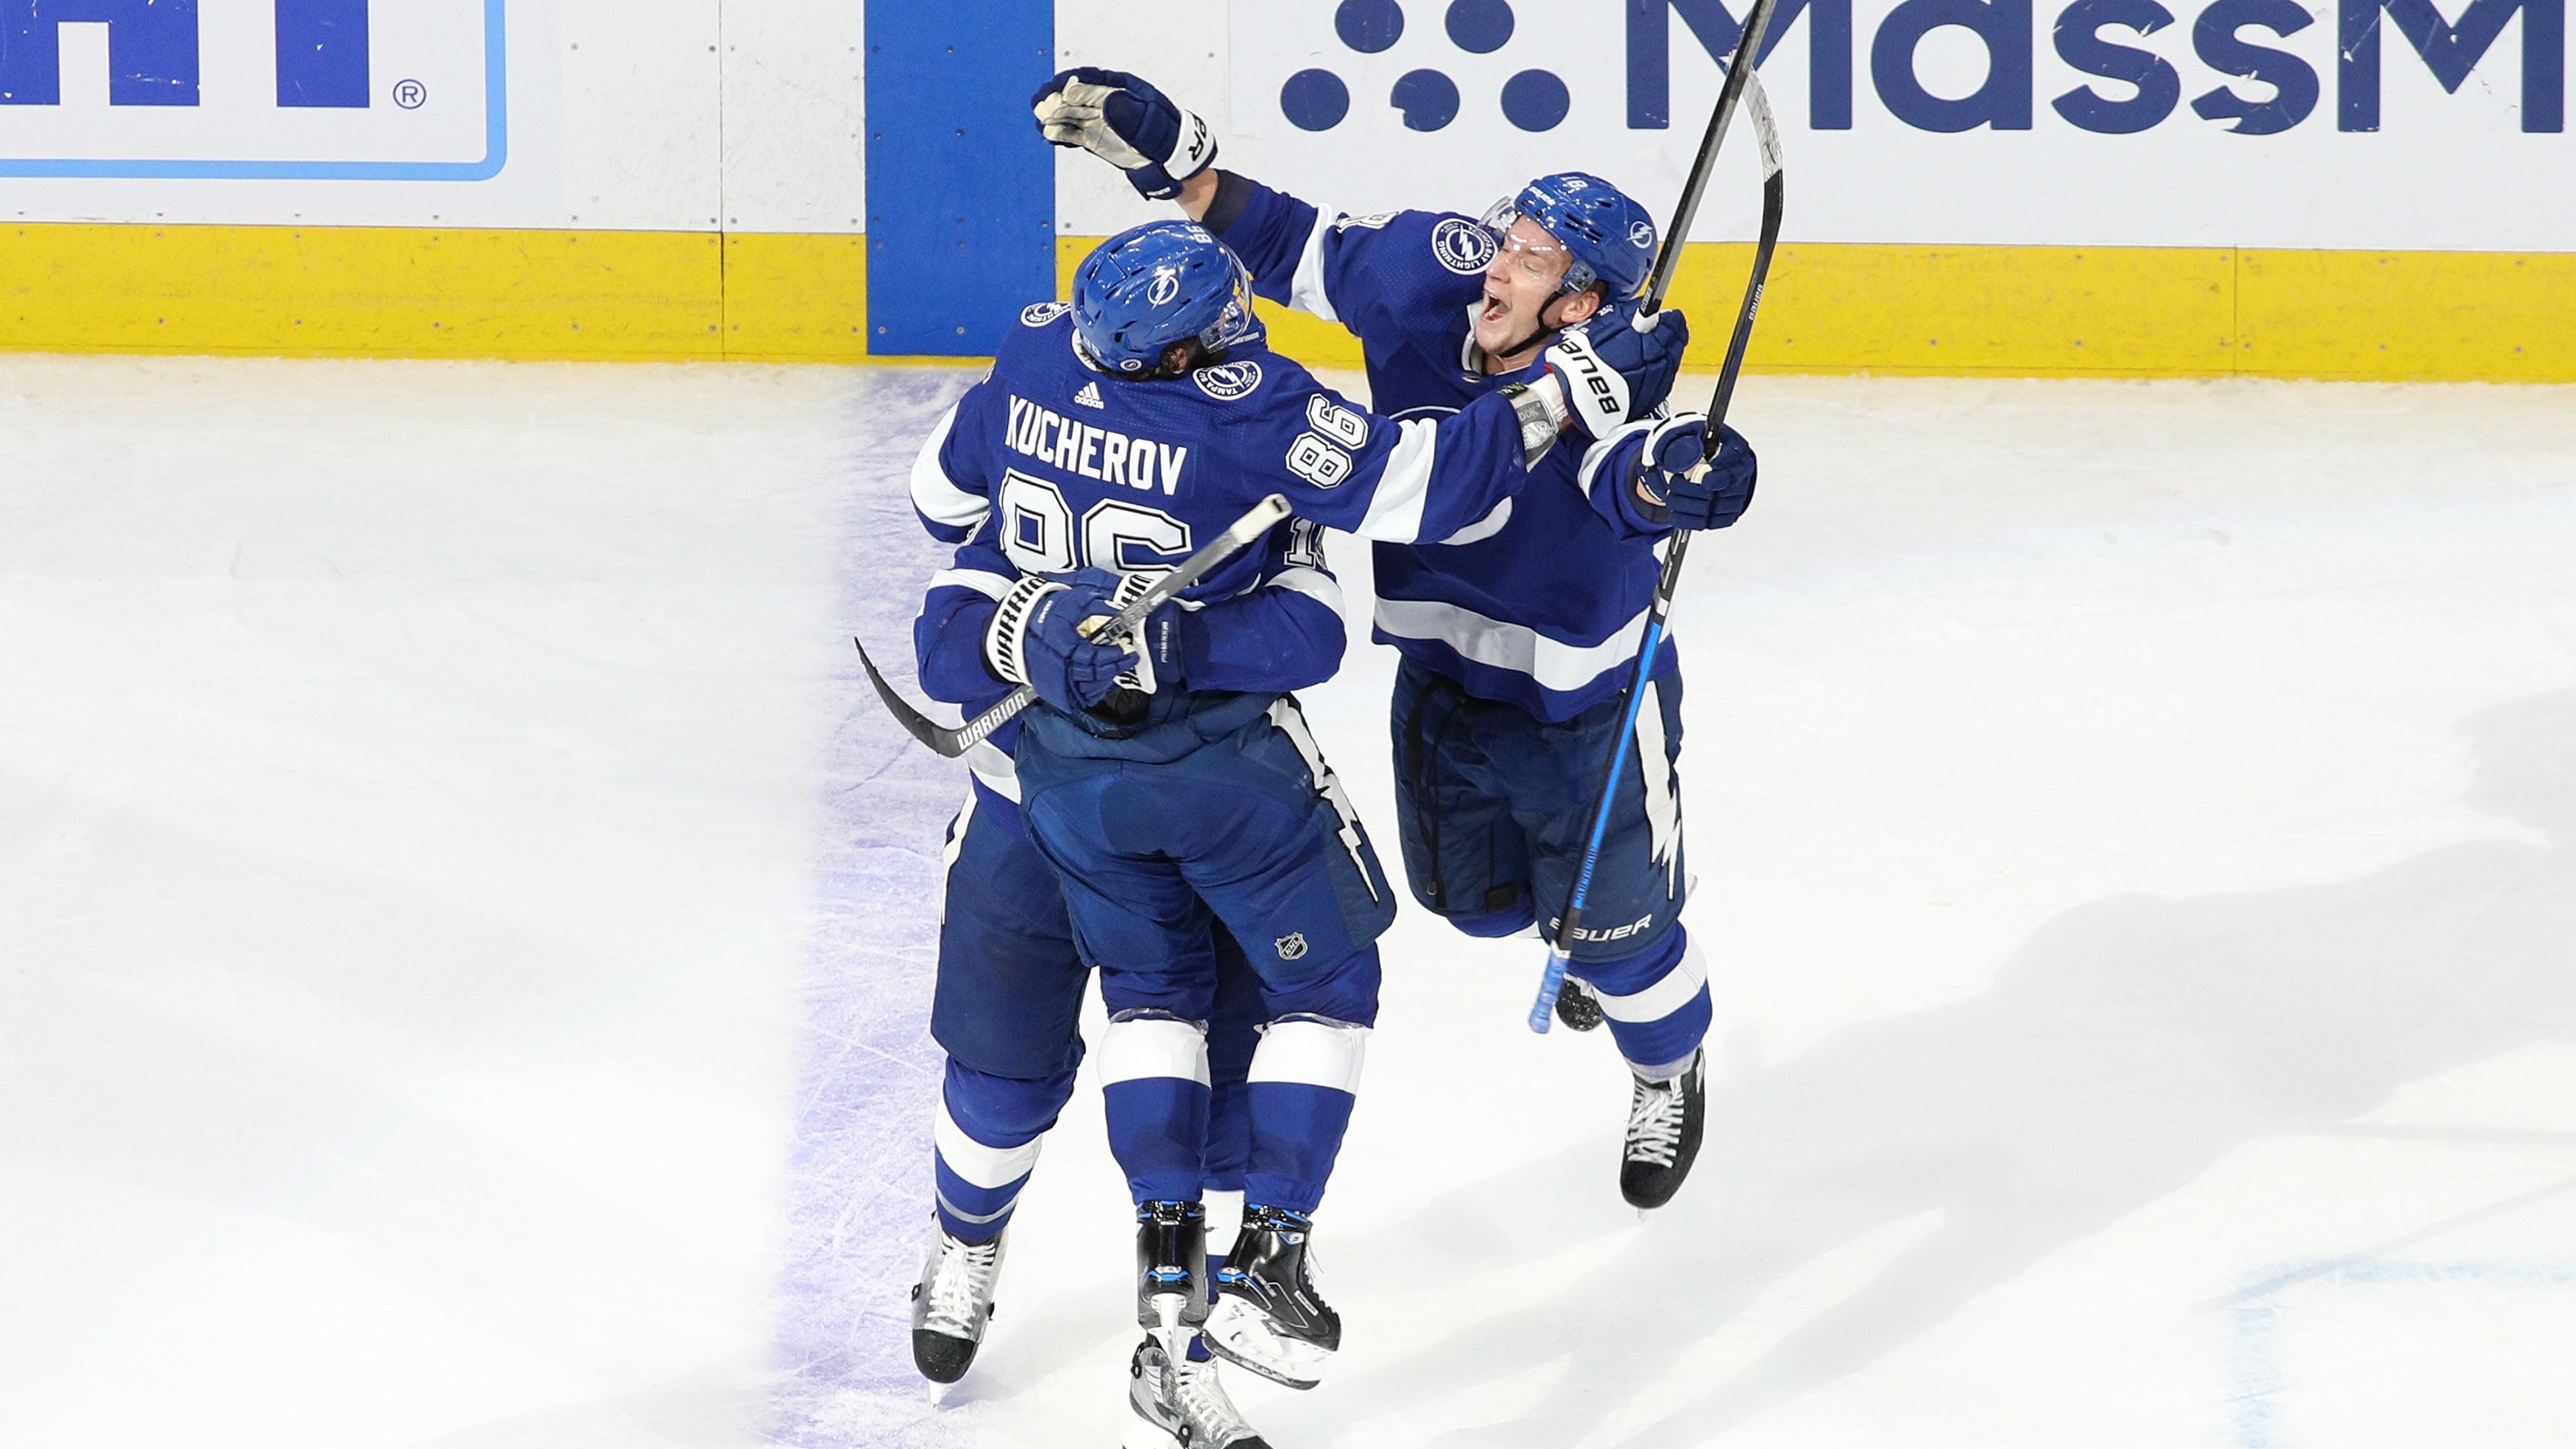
[
  {"x": 1319, "y": 97},
  {"x": 1292, "y": 947},
  {"x": 1462, "y": 246},
  {"x": 1043, "y": 313},
  {"x": 1228, "y": 380}
]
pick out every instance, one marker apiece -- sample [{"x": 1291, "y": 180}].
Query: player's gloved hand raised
[
  {"x": 1037, "y": 639},
  {"x": 1127, "y": 123},
  {"x": 1614, "y": 373},
  {"x": 1671, "y": 486}
]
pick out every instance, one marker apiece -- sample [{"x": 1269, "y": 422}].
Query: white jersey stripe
[
  {"x": 1516, "y": 647},
  {"x": 1315, "y": 584},
  {"x": 1306, "y": 289},
  {"x": 991, "y": 585},
  {"x": 1311, "y": 1052},
  {"x": 938, "y": 496},
  {"x": 1395, "y": 510},
  {"x": 1663, "y": 998}
]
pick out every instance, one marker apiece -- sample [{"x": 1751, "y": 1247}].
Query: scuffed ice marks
[{"x": 857, "y": 1203}]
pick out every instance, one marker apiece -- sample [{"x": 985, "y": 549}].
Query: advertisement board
[
  {"x": 293, "y": 90},
  {"x": 2251, "y": 123}
]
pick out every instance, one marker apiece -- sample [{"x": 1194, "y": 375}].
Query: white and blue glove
[
  {"x": 1672, "y": 487},
  {"x": 1613, "y": 373},
  {"x": 1154, "y": 650},
  {"x": 1127, "y": 123},
  {"x": 1037, "y": 638}
]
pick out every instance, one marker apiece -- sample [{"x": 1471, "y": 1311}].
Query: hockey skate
[
  {"x": 1268, "y": 1316},
  {"x": 1577, "y": 1007},
  {"x": 1171, "y": 1278},
  {"x": 952, "y": 1303},
  {"x": 1187, "y": 1406},
  {"x": 1664, "y": 1121}
]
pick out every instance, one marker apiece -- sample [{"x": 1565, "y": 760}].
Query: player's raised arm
[{"x": 1375, "y": 275}]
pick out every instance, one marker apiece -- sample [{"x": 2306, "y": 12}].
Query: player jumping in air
[
  {"x": 1517, "y": 631},
  {"x": 1168, "y": 776}
]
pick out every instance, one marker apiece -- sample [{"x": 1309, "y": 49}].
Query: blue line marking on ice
[
  {"x": 858, "y": 1214},
  {"x": 2253, "y": 1346}
]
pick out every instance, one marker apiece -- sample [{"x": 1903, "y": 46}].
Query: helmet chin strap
[{"x": 1543, "y": 328}]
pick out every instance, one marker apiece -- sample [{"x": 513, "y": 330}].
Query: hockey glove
[
  {"x": 1611, "y": 371},
  {"x": 1156, "y": 644},
  {"x": 1127, "y": 123},
  {"x": 1036, "y": 639},
  {"x": 1672, "y": 487}
]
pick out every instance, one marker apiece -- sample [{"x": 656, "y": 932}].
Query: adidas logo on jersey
[{"x": 1090, "y": 396}]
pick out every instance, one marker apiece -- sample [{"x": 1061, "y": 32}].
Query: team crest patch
[
  {"x": 1641, "y": 234},
  {"x": 1462, "y": 246},
  {"x": 1292, "y": 946},
  {"x": 1043, "y": 313},
  {"x": 1228, "y": 380}
]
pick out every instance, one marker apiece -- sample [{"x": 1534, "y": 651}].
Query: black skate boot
[
  {"x": 1577, "y": 1007},
  {"x": 952, "y": 1304},
  {"x": 1664, "y": 1120},
  {"x": 1268, "y": 1316},
  {"x": 1171, "y": 1277},
  {"x": 1186, "y": 1402}
]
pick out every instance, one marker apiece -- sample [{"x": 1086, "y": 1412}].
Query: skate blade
[{"x": 1243, "y": 1338}]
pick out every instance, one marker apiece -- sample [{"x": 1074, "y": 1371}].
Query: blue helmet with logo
[
  {"x": 1607, "y": 236},
  {"x": 1151, "y": 286}
]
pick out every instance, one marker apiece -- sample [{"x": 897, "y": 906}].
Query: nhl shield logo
[
  {"x": 1292, "y": 947},
  {"x": 1462, "y": 246}
]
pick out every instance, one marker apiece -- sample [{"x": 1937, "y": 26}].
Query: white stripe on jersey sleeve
[
  {"x": 1306, "y": 289},
  {"x": 941, "y": 498},
  {"x": 1395, "y": 510},
  {"x": 991, "y": 585},
  {"x": 1517, "y": 647},
  {"x": 1315, "y": 584}
]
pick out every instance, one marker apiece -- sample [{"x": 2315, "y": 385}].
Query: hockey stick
[
  {"x": 1739, "y": 74},
  {"x": 1238, "y": 536},
  {"x": 1740, "y": 81}
]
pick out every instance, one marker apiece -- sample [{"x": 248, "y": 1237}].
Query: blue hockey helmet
[
  {"x": 1153, "y": 285},
  {"x": 1608, "y": 237}
]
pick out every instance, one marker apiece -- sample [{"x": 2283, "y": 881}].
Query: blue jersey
[
  {"x": 1048, "y": 466},
  {"x": 1542, "y": 604}
]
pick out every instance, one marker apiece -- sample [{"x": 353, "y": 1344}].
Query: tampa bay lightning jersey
[
  {"x": 1542, "y": 604},
  {"x": 1048, "y": 466}
]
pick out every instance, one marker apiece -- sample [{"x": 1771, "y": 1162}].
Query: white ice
[{"x": 464, "y": 925}]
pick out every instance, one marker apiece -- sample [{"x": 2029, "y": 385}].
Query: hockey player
[
  {"x": 1519, "y": 633},
  {"x": 1009, "y": 981},
  {"x": 1108, "y": 440}
]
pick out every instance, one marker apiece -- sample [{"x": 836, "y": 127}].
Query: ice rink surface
[{"x": 464, "y": 941}]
